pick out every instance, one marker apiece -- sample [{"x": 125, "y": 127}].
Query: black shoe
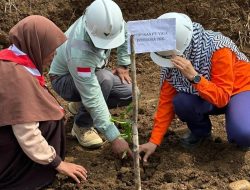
[{"x": 189, "y": 140}]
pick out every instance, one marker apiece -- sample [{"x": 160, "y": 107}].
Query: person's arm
[
  {"x": 92, "y": 98},
  {"x": 35, "y": 145},
  {"x": 81, "y": 65},
  {"x": 219, "y": 90},
  {"x": 163, "y": 117},
  {"x": 83, "y": 72},
  {"x": 123, "y": 58},
  {"x": 123, "y": 61},
  {"x": 37, "y": 149},
  {"x": 164, "y": 114}
]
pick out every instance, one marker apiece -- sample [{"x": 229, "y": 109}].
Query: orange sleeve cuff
[{"x": 156, "y": 139}]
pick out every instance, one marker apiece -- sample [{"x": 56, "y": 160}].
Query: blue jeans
[
  {"x": 195, "y": 112},
  {"x": 115, "y": 93}
]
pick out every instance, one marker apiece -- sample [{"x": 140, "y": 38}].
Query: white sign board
[{"x": 152, "y": 35}]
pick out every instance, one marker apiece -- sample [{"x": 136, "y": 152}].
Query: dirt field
[{"x": 213, "y": 165}]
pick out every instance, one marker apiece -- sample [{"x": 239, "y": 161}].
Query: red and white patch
[{"x": 84, "y": 71}]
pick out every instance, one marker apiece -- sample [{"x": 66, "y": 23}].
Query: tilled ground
[{"x": 213, "y": 165}]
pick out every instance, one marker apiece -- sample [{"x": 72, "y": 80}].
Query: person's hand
[
  {"x": 122, "y": 73},
  {"x": 74, "y": 171},
  {"x": 185, "y": 66},
  {"x": 148, "y": 148},
  {"x": 120, "y": 146}
]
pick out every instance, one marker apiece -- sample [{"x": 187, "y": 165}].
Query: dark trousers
[
  {"x": 195, "y": 112},
  {"x": 115, "y": 93},
  {"x": 17, "y": 170}
]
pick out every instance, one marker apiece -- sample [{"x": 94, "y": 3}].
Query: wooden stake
[{"x": 135, "y": 118}]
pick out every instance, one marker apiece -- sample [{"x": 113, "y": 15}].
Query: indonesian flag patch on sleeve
[{"x": 84, "y": 71}]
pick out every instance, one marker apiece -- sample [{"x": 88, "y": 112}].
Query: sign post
[
  {"x": 135, "y": 118},
  {"x": 146, "y": 36}
]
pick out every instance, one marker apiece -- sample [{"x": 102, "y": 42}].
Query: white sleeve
[{"x": 33, "y": 143}]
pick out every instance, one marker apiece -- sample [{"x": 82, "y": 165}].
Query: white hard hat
[
  {"x": 104, "y": 24},
  {"x": 184, "y": 31}
]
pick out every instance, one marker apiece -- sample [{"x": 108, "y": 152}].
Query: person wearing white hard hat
[
  {"x": 184, "y": 31},
  {"x": 78, "y": 74},
  {"x": 206, "y": 75}
]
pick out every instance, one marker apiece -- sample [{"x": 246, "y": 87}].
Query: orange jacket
[{"x": 229, "y": 76}]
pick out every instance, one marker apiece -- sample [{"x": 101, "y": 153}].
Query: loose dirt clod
[{"x": 239, "y": 185}]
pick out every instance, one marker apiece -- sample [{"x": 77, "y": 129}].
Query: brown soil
[{"x": 213, "y": 165}]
